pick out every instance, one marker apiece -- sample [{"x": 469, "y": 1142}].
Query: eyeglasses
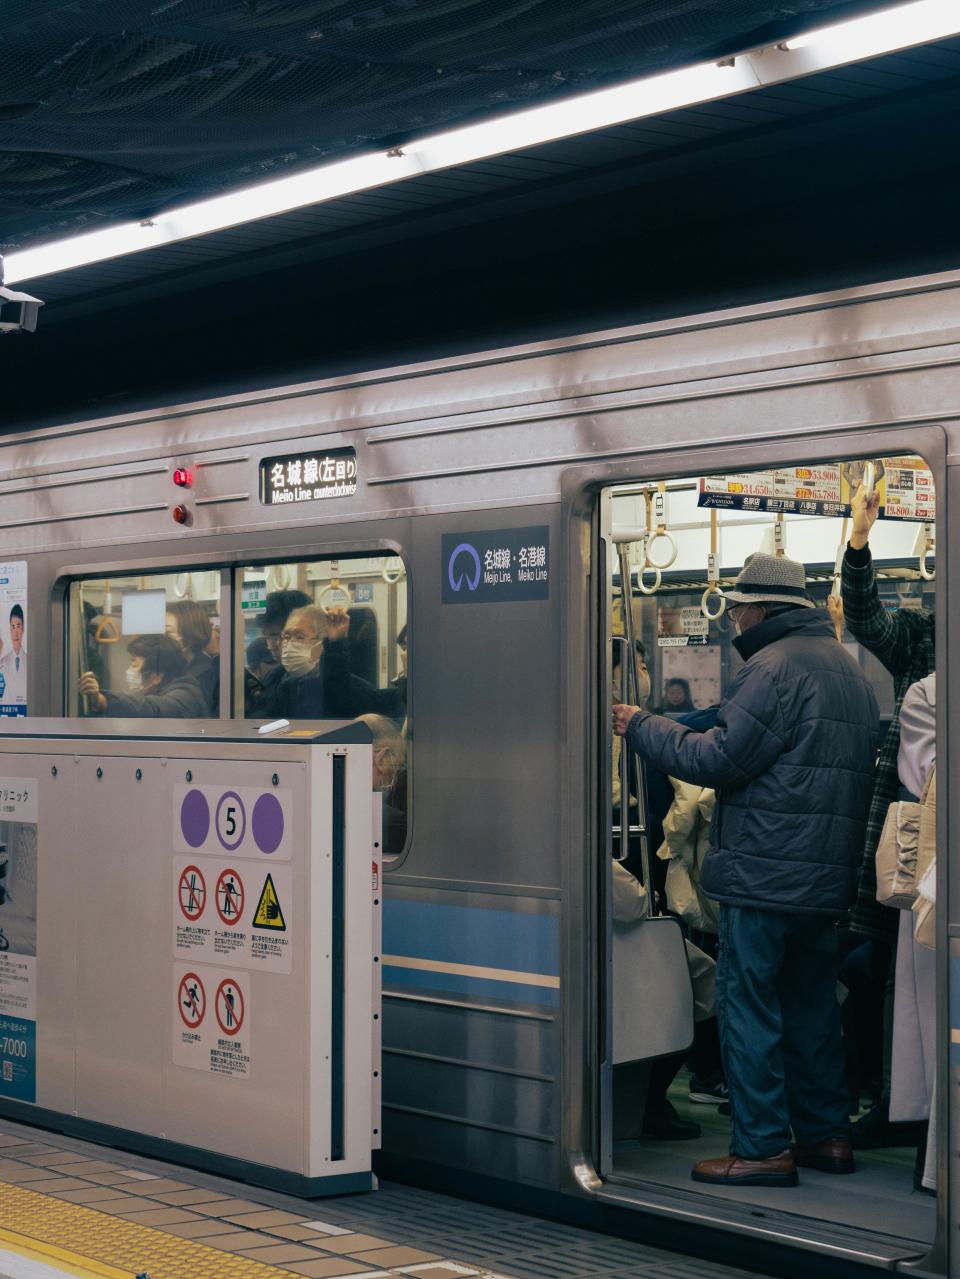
[{"x": 296, "y": 637}]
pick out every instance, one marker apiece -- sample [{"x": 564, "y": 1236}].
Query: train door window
[
  {"x": 327, "y": 639},
  {"x": 671, "y": 643},
  {"x": 145, "y": 646}
]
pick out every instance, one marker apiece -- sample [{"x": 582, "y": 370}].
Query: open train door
[{"x": 647, "y": 1001}]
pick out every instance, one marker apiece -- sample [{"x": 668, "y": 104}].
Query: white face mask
[
  {"x": 297, "y": 657},
  {"x": 134, "y": 680}
]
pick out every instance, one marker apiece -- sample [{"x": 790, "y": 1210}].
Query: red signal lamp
[
  {"x": 182, "y": 477},
  {"x": 181, "y": 514}
]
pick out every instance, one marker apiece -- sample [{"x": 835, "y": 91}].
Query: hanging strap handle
[
  {"x": 780, "y": 536},
  {"x": 713, "y": 574},
  {"x": 657, "y": 523},
  {"x": 929, "y": 548},
  {"x": 838, "y": 563}
]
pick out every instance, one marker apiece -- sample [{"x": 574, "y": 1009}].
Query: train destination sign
[
  {"x": 499, "y": 566},
  {"x": 308, "y": 477}
]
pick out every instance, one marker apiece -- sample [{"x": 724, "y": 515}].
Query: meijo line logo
[{"x": 472, "y": 557}]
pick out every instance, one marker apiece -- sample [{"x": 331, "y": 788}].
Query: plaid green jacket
[{"x": 903, "y": 642}]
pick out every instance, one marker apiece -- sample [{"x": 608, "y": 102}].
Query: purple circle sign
[
  {"x": 195, "y": 818},
  {"x": 267, "y": 823},
  {"x": 231, "y": 820}
]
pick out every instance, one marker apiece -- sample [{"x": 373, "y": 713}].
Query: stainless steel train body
[{"x": 495, "y": 982}]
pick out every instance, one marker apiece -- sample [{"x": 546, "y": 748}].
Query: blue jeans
[{"x": 780, "y": 1030}]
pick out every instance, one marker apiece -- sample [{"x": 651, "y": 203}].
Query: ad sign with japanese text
[
  {"x": 905, "y": 486},
  {"x": 18, "y": 938},
  {"x": 13, "y": 638}
]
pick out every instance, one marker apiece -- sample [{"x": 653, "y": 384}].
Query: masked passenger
[
  {"x": 190, "y": 626},
  {"x": 157, "y": 684},
  {"x": 260, "y": 687},
  {"x": 791, "y": 757},
  {"x": 298, "y": 694}
]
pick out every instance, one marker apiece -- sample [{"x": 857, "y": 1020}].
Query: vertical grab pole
[
  {"x": 630, "y": 681},
  {"x": 623, "y": 764}
]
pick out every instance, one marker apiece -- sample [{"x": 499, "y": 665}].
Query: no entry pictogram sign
[
  {"x": 230, "y": 897},
  {"x": 229, "y": 1007},
  {"x": 192, "y": 892}
]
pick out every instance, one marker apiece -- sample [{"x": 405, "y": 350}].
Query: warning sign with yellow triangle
[{"x": 268, "y": 913}]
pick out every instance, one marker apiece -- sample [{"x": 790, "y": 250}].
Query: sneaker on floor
[
  {"x": 664, "y": 1124},
  {"x": 875, "y": 1131},
  {"x": 708, "y": 1092}
]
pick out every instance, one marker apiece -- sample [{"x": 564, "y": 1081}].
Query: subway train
[{"x": 516, "y": 510}]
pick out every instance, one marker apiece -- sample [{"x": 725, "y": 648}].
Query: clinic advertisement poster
[{"x": 13, "y": 638}]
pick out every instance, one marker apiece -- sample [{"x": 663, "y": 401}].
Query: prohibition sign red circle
[
  {"x": 229, "y": 1010},
  {"x": 192, "y": 892},
  {"x": 230, "y": 900},
  {"x": 191, "y": 1000}
]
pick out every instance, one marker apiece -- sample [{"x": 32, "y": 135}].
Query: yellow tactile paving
[
  {"x": 96, "y": 1239},
  {"x": 65, "y": 1262}
]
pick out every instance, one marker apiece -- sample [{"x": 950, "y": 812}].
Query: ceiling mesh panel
[{"x": 117, "y": 108}]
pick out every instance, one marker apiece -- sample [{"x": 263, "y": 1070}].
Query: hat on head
[{"x": 770, "y": 579}]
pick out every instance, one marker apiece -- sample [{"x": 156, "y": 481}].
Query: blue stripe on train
[
  {"x": 482, "y": 938},
  {"x": 400, "y": 979}
]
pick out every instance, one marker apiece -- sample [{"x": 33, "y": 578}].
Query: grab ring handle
[
  {"x": 705, "y": 608},
  {"x": 925, "y": 573},
  {"x": 389, "y": 574},
  {"x": 649, "y": 590},
  {"x": 659, "y": 564},
  {"x": 106, "y": 632},
  {"x": 342, "y": 602}
]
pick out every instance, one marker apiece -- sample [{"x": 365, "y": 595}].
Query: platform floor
[{"x": 70, "y": 1208}]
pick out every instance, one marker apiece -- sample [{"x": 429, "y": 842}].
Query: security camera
[{"x": 18, "y": 311}]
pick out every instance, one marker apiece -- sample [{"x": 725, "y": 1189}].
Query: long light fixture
[{"x": 901, "y": 27}]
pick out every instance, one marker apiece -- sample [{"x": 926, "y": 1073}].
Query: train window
[
  {"x": 145, "y": 646},
  {"x": 327, "y": 639}
]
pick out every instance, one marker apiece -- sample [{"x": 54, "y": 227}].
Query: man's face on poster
[{"x": 16, "y": 633}]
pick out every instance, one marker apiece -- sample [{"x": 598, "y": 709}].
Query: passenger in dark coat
[
  {"x": 791, "y": 758},
  {"x": 158, "y": 684},
  {"x": 190, "y": 626},
  {"x": 346, "y": 694}
]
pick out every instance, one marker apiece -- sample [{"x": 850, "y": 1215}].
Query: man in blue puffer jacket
[{"x": 792, "y": 760}]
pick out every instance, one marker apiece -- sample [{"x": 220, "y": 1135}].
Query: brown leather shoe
[
  {"x": 731, "y": 1170},
  {"x": 833, "y": 1155}
]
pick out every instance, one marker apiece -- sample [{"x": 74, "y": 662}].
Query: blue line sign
[{"x": 498, "y": 566}]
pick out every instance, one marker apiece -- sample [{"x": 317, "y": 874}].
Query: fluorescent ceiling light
[
  {"x": 877, "y": 33},
  {"x": 901, "y": 27}
]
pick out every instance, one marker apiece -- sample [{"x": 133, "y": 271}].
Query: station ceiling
[{"x": 114, "y": 109}]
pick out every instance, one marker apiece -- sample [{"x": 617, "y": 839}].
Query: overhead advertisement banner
[{"x": 905, "y": 486}]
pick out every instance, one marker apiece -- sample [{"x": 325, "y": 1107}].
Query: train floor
[
  {"x": 71, "y": 1208},
  {"x": 879, "y": 1199}
]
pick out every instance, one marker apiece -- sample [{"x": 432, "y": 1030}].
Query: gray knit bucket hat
[{"x": 771, "y": 579}]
